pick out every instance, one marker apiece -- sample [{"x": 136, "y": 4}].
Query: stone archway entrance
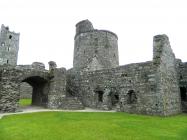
[
  {"x": 39, "y": 90},
  {"x": 183, "y": 93}
]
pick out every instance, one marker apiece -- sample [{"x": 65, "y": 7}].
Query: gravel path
[{"x": 30, "y": 109}]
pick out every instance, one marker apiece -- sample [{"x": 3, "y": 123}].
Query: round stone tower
[
  {"x": 9, "y": 46},
  {"x": 94, "y": 49}
]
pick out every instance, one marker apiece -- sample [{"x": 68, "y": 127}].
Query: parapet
[
  {"x": 85, "y": 26},
  {"x": 38, "y": 65}
]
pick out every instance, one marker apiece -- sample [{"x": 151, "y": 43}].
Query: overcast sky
[{"x": 47, "y": 27}]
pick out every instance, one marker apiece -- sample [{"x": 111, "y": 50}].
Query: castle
[{"x": 157, "y": 87}]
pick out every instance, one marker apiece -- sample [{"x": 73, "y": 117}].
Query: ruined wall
[
  {"x": 26, "y": 89},
  {"x": 10, "y": 79},
  {"x": 182, "y": 76},
  {"x": 9, "y": 46},
  {"x": 130, "y": 88},
  {"x": 167, "y": 80},
  {"x": 94, "y": 49},
  {"x": 58, "y": 98},
  {"x": 9, "y": 89},
  {"x": 57, "y": 87}
]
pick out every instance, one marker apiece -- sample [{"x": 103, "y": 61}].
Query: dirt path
[{"x": 30, "y": 109}]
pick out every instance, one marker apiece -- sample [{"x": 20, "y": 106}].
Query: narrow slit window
[{"x": 10, "y": 36}]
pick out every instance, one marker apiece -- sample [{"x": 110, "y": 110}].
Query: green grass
[
  {"x": 92, "y": 126},
  {"x": 25, "y": 102}
]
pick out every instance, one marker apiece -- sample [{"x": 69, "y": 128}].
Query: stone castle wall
[
  {"x": 182, "y": 76},
  {"x": 146, "y": 88},
  {"x": 130, "y": 88},
  {"x": 57, "y": 87},
  {"x": 157, "y": 87},
  {"x": 167, "y": 79},
  {"x": 9, "y": 93}
]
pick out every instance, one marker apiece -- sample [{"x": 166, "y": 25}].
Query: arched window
[
  {"x": 131, "y": 97},
  {"x": 100, "y": 95}
]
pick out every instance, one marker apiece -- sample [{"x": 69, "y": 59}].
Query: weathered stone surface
[
  {"x": 52, "y": 65},
  {"x": 167, "y": 80},
  {"x": 57, "y": 88},
  {"x": 25, "y": 91},
  {"x": 38, "y": 65},
  {"x": 9, "y": 46},
  {"x": 94, "y": 49},
  {"x": 182, "y": 77},
  {"x": 157, "y": 87},
  {"x": 110, "y": 88}
]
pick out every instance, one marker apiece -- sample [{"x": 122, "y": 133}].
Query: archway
[
  {"x": 183, "y": 93},
  {"x": 131, "y": 97},
  {"x": 39, "y": 90},
  {"x": 100, "y": 95}
]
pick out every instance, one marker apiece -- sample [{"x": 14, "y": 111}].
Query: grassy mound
[{"x": 91, "y": 126}]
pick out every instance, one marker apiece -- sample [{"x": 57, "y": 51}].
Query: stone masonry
[{"x": 157, "y": 87}]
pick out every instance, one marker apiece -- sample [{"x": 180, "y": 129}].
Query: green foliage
[
  {"x": 25, "y": 102},
  {"x": 92, "y": 126}
]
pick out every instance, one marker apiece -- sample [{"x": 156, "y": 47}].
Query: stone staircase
[{"x": 72, "y": 103}]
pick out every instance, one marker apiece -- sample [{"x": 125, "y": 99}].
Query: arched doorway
[
  {"x": 183, "y": 93},
  {"x": 131, "y": 97},
  {"x": 39, "y": 90},
  {"x": 25, "y": 90}
]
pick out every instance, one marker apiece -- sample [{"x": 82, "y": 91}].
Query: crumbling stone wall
[
  {"x": 12, "y": 77},
  {"x": 182, "y": 76},
  {"x": 167, "y": 80},
  {"x": 58, "y": 97},
  {"x": 57, "y": 87},
  {"x": 26, "y": 89},
  {"x": 49, "y": 87},
  {"x": 157, "y": 87},
  {"x": 117, "y": 84},
  {"x": 9, "y": 93},
  {"x": 146, "y": 88}
]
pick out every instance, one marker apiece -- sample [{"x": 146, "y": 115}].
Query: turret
[
  {"x": 94, "y": 49},
  {"x": 9, "y": 46}
]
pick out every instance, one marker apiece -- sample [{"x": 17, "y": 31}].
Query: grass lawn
[
  {"x": 25, "y": 102},
  {"x": 92, "y": 126}
]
